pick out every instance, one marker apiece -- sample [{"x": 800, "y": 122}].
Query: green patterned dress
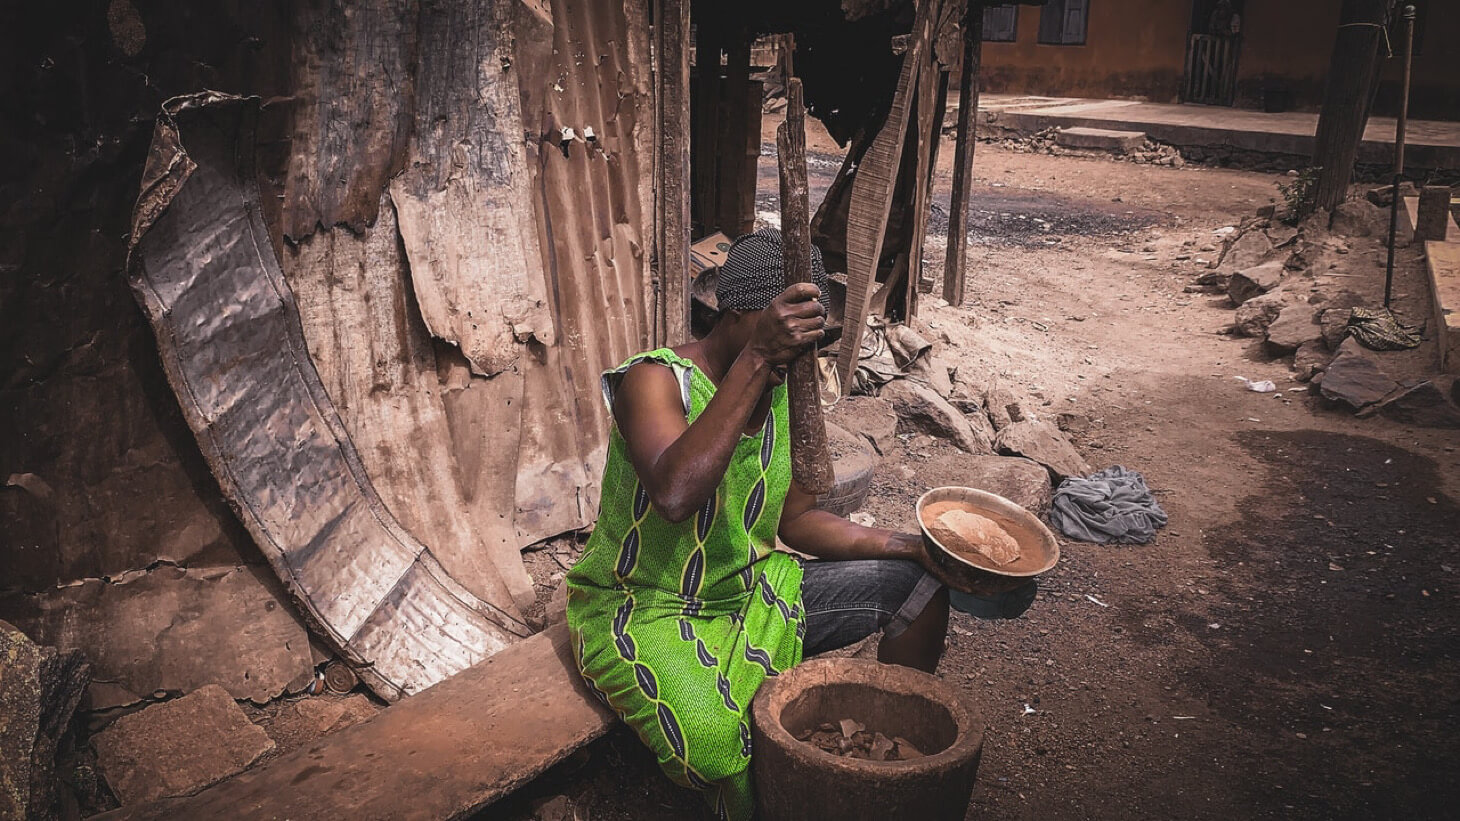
[{"x": 675, "y": 626}]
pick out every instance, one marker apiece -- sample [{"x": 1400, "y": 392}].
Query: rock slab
[
  {"x": 178, "y": 747},
  {"x": 1043, "y": 443},
  {"x": 1258, "y": 279},
  {"x": 39, "y": 690},
  {"x": 870, "y": 416},
  {"x": 1021, "y": 481},
  {"x": 1295, "y": 326},
  {"x": 1248, "y": 251},
  {"x": 1256, "y": 315},
  {"x": 921, "y": 409},
  {"x": 1100, "y": 139},
  {"x": 1355, "y": 377},
  {"x": 1426, "y": 405}
]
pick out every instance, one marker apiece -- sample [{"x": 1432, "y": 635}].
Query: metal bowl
[{"x": 1038, "y": 548}]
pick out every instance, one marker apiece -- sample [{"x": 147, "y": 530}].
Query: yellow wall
[{"x": 1137, "y": 49}]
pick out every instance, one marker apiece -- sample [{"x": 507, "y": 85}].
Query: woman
[{"x": 681, "y": 605}]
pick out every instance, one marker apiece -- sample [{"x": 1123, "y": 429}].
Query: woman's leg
[{"x": 921, "y": 644}]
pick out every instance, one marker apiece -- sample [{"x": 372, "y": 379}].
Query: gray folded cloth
[{"x": 1112, "y": 505}]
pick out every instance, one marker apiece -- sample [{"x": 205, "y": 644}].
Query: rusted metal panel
[
  {"x": 378, "y": 363},
  {"x": 462, "y": 200},
  {"x": 353, "y": 82},
  {"x": 230, "y": 337},
  {"x": 583, "y": 66}
]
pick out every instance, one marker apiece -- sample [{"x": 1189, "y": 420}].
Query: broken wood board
[
  {"x": 463, "y": 199},
  {"x": 672, "y": 169},
  {"x": 229, "y": 334},
  {"x": 173, "y": 630},
  {"x": 443, "y": 753},
  {"x": 955, "y": 265},
  {"x": 871, "y": 197}
]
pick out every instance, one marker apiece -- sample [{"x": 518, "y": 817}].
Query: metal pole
[{"x": 1408, "y": 15}]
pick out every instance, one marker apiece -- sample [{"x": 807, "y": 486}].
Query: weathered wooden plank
[
  {"x": 733, "y": 138},
  {"x": 872, "y": 188},
  {"x": 810, "y": 459},
  {"x": 955, "y": 266},
  {"x": 927, "y": 127},
  {"x": 444, "y": 753},
  {"x": 671, "y": 159},
  {"x": 229, "y": 334}
]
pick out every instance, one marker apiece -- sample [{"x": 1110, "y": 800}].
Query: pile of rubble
[
  {"x": 1278, "y": 278},
  {"x": 1046, "y": 141},
  {"x": 910, "y": 388}
]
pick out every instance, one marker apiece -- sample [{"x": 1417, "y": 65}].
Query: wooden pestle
[{"x": 810, "y": 459}]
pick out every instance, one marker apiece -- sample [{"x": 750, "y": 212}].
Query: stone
[
  {"x": 178, "y": 747},
  {"x": 1021, "y": 481},
  {"x": 1043, "y": 443},
  {"x": 39, "y": 690},
  {"x": 1258, "y": 279},
  {"x": 1281, "y": 234},
  {"x": 1249, "y": 250},
  {"x": 1100, "y": 139},
  {"x": 1311, "y": 359},
  {"x": 931, "y": 370},
  {"x": 1004, "y": 407},
  {"x": 1359, "y": 218},
  {"x": 1254, "y": 316},
  {"x": 871, "y": 417},
  {"x": 1333, "y": 318},
  {"x": 1294, "y": 326},
  {"x": 328, "y": 713},
  {"x": 983, "y": 429},
  {"x": 1071, "y": 422},
  {"x": 1433, "y": 213},
  {"x": 922, "y": 410},
  {"x": 1426, "y": 405},
  {"x": 1355, "y": 377},
  {"x": 1215, "y": 279}
]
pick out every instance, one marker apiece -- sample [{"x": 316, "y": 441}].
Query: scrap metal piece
[{"x": 229, "y": 334}]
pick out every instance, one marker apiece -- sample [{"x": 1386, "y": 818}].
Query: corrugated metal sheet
[
  {"x": 230, "y": 337},
  {"x": 583, "y": 66}
]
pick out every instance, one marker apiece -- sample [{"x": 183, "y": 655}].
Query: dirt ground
[{"x": 1288, "y": 646}]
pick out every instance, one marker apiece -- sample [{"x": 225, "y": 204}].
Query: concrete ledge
[
  {"x": 1102, "y": 139},
  {"x": 1443, "y": 261},
  {"x": 444, "y": 753}
]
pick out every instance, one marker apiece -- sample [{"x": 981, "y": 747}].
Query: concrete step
[
  {"x": 1100, "y": 139},
  {"x": 1443, "y": 262}
]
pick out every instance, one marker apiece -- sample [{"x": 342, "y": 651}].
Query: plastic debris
[{"x": 1264, "y": 386}]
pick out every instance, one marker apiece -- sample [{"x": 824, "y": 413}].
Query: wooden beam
[
  {"x": 927, "y": 138},
  {"x": 734, "y": 100},
  {"x": 810, "y": 459},
  {"x": 707, "y": 123},
  {"x": 940, "y": 108},
  {"x": 671, "y": 170},
  {"x": 871, "y": 201},
  {"x": 954, "y": 268}
]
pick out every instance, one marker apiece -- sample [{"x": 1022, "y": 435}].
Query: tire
[{"x": 853, "y": 463}]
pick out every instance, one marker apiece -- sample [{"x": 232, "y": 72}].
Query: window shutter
[
  {"x": 1051, "y": 22},
  {"x": 1074, "y": 22},
  {"x": 1000, "y": 23}
]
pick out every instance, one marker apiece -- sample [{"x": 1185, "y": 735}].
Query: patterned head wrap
[{"x": 753, "y": 275}]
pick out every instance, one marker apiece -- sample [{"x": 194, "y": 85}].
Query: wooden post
[
  {"x": 1432, "y": 218},
  {"x": 671, "y": 170},
  {"x": 955, "y": 264},
  {"x": 734, "y": 100},
  {"x": 1351, "y": 76},
  {"x": 940, "y": 108},
  {"x": 810, "y": 460},
  {"x": 871, "y": 198},
  {"x": 1395, "y": 205},
  {"x": 707, "y": 123}
]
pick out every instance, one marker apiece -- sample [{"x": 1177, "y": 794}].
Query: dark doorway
[{"x": 1212, "y": 48}]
